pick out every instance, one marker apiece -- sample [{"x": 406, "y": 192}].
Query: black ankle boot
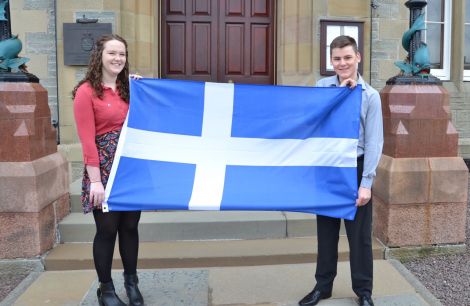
[
  {"x": 133, "y": 292},
  {"x": 107, "y": 295}
]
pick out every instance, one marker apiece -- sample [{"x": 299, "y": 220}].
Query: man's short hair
[{"x": 343, "y": 41}]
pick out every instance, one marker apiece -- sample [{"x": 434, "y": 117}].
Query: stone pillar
[
  {"x": 420, "y": 192},
  {"x": 34, "y": 180}
]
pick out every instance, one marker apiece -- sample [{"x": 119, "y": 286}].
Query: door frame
[{"x": 159, "y": 39}]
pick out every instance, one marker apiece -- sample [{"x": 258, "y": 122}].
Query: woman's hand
[
  {"x": 96, "y": 187},
  {"x": 96, "y": 193},
  {"x": 135, "y": 76}
]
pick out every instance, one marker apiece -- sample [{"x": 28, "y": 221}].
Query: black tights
[{"x": 107, "y": 226}]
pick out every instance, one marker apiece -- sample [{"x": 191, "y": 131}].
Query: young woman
[{"x": 101, "y": 102}]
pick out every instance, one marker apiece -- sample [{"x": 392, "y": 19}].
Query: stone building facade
[{"x": 39, "y": 24}]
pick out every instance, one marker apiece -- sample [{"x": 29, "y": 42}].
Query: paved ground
[
  {"x": 13, "y": 272},
  {"x": 446, "y": 276},
  {"x": 278, "y": 285}
]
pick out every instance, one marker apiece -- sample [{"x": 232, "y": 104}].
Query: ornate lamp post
[
  {"x": 416, "y": 68},
  {"x": 5, "y": 26},
  {"x": 10, "y": 47},
  {"x": 416, "y": 9}
]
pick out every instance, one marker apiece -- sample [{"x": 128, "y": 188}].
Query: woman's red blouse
[{"x": 95, "y": 116}]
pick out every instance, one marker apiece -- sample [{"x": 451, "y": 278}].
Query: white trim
[
  {"x": 466, "y": 75},
  {"x": 444, "y": 73},
  {"x": 466, "y": 72}
]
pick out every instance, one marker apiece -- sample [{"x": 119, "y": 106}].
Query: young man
[{"x": 345, "y": 59}]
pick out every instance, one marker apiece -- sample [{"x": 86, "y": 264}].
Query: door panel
[
  {"x": 234, "y": 7},
  {"x": 201, "y": 59},
  {"x": 234, "y": 49},
  {"x": 260, "y": 8},
  {"x": 201, "y": 7},
  {"x": 259, "y": 52},
  {"x": 176, "y": 7},
  {"x": 176, "y": 47},
  {"x": 189, "y": 40},
  {"x": 218, "y": 40},
  {"x": 255, "y": 62}
]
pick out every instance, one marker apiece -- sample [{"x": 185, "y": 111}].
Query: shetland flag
[{"x": 211, "y": 146}]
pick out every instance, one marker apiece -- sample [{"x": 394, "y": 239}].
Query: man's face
[{"x": 345, "y": 62}]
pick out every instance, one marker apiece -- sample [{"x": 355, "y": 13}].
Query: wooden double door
[{"x": 218, "y": 40}]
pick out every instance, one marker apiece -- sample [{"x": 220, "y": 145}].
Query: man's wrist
[{"x": 366, "y": 182}]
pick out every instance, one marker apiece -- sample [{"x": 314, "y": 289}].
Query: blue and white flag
[{"x": 209, "y": 146}]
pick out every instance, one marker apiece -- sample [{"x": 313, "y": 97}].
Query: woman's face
[{"x": 113, "y": 57}]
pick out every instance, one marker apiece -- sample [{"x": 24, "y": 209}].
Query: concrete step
[
  {"x": 75, "y": 192},
  {"x": 194, "y": 225},
  {"x": 201, "y": 225},
  {"x": 214, "y": 253}
]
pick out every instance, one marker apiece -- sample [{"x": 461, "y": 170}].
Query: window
[
  {"x": 438, "y": 36},
  {"x": 466, "y": 54},
  {"x": 329, "y": 30}
]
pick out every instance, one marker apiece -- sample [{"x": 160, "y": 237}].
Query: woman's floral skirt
[{"x": 106, "y": 145}]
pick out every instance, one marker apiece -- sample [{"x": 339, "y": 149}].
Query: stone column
[
  {"x": 420, "y": 193},
  {"x": 34, "y": 181}
]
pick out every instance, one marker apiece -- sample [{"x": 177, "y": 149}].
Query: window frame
[
  {"x": 446, "y": 40},
  {"x": 324, "y": 24},
  {"x": 466, "y": 72}
]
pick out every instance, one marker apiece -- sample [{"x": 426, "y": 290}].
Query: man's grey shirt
[{"x": 371, "y": 137}]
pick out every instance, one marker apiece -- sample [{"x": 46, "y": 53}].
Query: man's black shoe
[
  {"x": 365, "y": 301},
  {"x": 314, "y": 297}
]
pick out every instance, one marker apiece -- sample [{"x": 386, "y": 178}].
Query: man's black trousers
[{"x": 359, "y": 232}]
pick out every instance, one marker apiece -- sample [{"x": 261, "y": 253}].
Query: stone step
[
  {"x": 75, "y": 191},
  {"x": 201, "y": 225},
  {"x": 194, "y": 225},
  {"x": 208, "y": 253}
]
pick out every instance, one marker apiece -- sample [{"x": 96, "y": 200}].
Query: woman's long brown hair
[{"x": 94, "y": 74}]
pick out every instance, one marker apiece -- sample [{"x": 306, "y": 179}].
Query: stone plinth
[
  {"x": 420, "y": 192},
  {"x": 417, "y": 121},
  {"x": 34, "y": 180},
  {"x": 31, "y": 186},
  {"x": 25, "y": 235},
  {"x": 420, "y": 201},
  {"x": 25, "y": 122}
]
